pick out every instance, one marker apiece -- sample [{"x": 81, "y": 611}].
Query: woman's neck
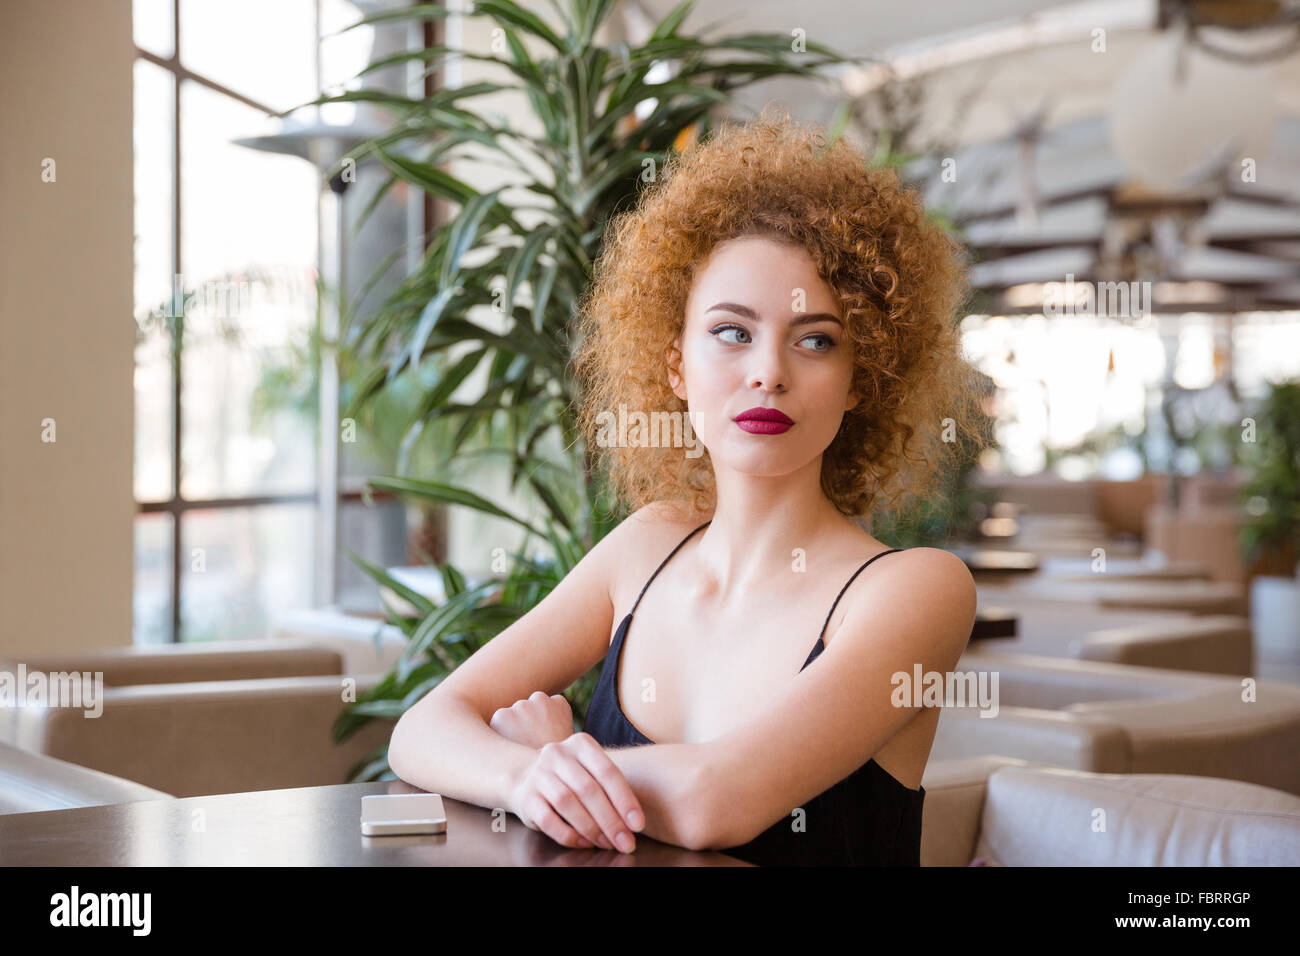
[{"x": 740, "y": 555}]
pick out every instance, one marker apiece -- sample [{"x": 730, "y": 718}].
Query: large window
[
  {"x": 1091, "y": 397},
  {"x": 225, "y": 301},
  {"x": 225, "y": 255}
]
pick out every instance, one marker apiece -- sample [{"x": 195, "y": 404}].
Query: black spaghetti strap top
[{"x": 867, "y": 819}]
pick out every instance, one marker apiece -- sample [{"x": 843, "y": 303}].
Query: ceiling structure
[{"x": 1015, "y": 123}]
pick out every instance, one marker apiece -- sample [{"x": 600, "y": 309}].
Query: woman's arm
[
  {"x": 463, "y": 758},
  {"x": 664, "y": 780},
  {"x": 443, "y": 742},
  {"x": 663, "y": 777},
  {"x": 446, "y": 748},
  {"x": 667, "y": 779}
]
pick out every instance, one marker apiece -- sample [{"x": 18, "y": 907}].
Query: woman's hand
[
  {"x": 534, "y": 722},
  {"x": 575, "y": 794}
]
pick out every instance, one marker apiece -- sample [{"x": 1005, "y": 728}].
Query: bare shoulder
[
  {"x": 923, "y": 564},
  {"x": 643, "y": 537},
  {"x": 923, "y": 585},
  {"x": 932, "y": 573}
]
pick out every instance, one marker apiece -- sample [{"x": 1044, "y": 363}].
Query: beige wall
[{"x": 66, "y": 332}]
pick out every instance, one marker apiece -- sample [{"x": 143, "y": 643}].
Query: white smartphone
[{"x": 393, "y": 814}]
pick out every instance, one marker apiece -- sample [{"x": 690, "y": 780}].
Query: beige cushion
[
  {"x": 209, "y": 737},
  {"x": 1047, "y": 817},
  {"x": 1208, "y": 534},
  {"x": 1217, "y": 644},
  {"x": 1028, "y": 680},
  {"x": 1216, "y": 734},
  {"x": 177, "y": 663},
  {"x": 1111, "y": 718},
  {"x": 1123, "y": 504},
  {"x": 954, "y": 801}
]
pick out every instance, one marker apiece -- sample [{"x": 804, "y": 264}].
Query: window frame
[{"x": 177, "y": 505}]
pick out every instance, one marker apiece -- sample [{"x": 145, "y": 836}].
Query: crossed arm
[
  {"x": 834, "y": 716},
  {"x": 454, "y": 751}
]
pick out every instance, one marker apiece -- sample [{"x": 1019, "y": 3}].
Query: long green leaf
[
  {"x": 428, "y": 319},
  {"x": 594, "y": 14},
  {"x": 429, "y": 178},
  {"x": 453, "y": 582},
  {"x": 550, "y": 501},
  {"x": 511, "y": 15},
  {"x": 422, "y": 11},
  {"x": 447, "y": 494},
  {"x": 438, "y": 622},
  {"x": 542, "y": 296},
  {"x": 384, "y": 578},
  {"x": 668, "y": 25},
  {"x": 465, "y": 231},
  {"x": 450, "y": 381},
  {"x": 521, "y": 266}
]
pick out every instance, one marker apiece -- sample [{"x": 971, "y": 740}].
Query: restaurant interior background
[{"x": 268, "y": 429}]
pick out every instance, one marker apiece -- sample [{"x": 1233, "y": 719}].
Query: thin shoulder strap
[
  {"x": 665, "y": 561},
  {"x": 846, "y": 587}
]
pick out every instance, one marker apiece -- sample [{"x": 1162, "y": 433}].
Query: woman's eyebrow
[{"x": 802, "y": 319}]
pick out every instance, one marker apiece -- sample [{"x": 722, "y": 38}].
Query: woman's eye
[
  {"x": 829, "y": 343},
  {"x": 721, "y": 330}
]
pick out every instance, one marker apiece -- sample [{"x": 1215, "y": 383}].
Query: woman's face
[{"x": 763, "y": 330}]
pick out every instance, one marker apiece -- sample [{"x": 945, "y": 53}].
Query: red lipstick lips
[{"x": 763, "y": 421}]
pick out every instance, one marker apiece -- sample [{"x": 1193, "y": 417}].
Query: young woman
[{"x": 795, "y": 310}]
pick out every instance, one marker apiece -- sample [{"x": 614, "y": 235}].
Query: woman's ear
[
  {"x": 673, "y": 360},
  {"x": 853, "y": 400}
]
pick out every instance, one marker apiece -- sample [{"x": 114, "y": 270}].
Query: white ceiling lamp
[{"x": 1197, "y": 99}]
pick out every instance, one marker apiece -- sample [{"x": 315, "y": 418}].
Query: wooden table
[
  {"x": 308, "y": 826},
  {"x": 1001, "y": 561},
  {"x": 994, "y": 622}
]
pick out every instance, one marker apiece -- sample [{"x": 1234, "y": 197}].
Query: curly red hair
[{"x": 899, "y": 279}]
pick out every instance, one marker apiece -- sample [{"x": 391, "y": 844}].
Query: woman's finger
[
  {"x": 611, "y": 779},
  {"x": 562, "y": 798},
  {"x": 595, "y": 801},
  {"x": 553, "y": 824}
]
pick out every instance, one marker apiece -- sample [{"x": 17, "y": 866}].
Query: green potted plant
[{"x": 1270, "y": 535}]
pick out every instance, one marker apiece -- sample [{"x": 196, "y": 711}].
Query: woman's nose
[{"x": 768, "y": 371}]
